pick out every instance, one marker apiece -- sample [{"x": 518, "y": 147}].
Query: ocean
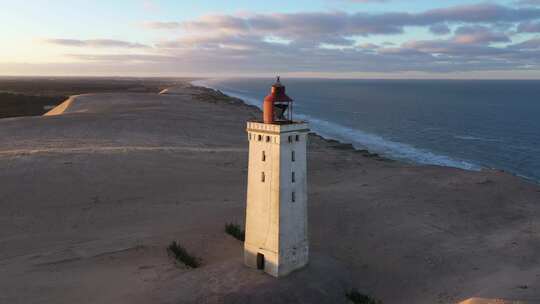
[{"x": 458, "y": 123}]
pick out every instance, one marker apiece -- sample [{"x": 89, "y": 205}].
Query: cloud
[
  {"x": 115, "y": 58},
  {"x": 162, "y": 25},
  {"x": 529, "y": 27},
  {"x": 295, "y": 25},
  {"x": 247, "y": 55},
  {"x": 531, "y": 44},
  {"x": 478, "y": 34},
  {"x": 439, "y": 29},
  {"x": 368, "y": 46},
  {"x": 96, "y": 43},
  {"x": 528, "y": 2},
  {"x": 465, "y": 38},
  {"x": 340, "y": 28},
  {"x": 478, "y": 13}
]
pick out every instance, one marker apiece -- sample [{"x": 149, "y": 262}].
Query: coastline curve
[{"x": 61, "y": 108}]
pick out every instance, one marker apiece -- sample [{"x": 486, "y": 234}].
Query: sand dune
[{"x": 91, "y": 197}]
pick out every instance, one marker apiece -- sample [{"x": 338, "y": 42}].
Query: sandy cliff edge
[{"x": 61, "y": 108}]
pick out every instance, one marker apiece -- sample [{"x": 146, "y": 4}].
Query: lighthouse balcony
[{"x": 275, "y": 128}]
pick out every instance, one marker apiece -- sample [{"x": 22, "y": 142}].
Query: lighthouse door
[{"x": 260, "y": 261}]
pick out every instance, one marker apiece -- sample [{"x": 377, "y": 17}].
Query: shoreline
[
  {"x": 364, "y": 150},
  {"x": 332, "y": 143},
  {"x": 395, "y": 150}
]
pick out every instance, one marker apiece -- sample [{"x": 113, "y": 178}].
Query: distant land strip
[{"x": 120, "y": 149}]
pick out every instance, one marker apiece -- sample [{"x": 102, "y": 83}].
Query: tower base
[{"x": 293, "y": 260}]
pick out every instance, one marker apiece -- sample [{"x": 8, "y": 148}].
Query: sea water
[{"x": 457, "y": 123}]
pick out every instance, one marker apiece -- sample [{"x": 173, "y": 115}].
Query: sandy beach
[{"x": 91, "y": 197}]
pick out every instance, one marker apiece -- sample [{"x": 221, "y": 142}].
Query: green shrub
[
  {"x": 235, "y": 231},
  {"x": 359, "y": 298},
  {"x": 180, "y": 254}
]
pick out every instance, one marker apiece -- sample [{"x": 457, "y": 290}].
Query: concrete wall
[
  {"x": 293, "y": 239},
  {"x": 275, "y": 225}
]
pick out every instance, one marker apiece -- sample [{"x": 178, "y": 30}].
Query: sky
[{"x": 253, "y": 38}]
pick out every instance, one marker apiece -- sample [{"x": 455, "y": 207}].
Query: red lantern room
[{"x": 277, "y": 108}]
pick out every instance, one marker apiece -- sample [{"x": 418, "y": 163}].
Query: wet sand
[{"x": 91, "y": 197}]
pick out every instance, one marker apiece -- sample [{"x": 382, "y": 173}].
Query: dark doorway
[{"x": 260, "y": 261}]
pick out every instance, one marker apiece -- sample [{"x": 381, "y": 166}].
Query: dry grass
[
  {"x": 181, "y": 255},
  {"x": 236, "y": 231}
]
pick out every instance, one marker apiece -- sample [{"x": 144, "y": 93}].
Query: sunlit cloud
[
  {"x": 144, "y": 58},
  {"x": 95, "y": 43},
  {"x": 478, "y": 34},
  {"x": 296, "y": 25}
]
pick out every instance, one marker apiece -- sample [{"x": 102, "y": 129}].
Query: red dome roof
[
  {"x": 277, "y": 94},
  {"x": 277, "y": 107}
]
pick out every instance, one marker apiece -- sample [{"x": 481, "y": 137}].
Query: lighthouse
[{"x": 276, "y": 213}]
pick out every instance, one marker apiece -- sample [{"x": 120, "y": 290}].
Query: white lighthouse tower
[{"x": 276, "y": 215}]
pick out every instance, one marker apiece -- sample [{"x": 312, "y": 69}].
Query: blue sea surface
[{"x": 457, "y": 123}]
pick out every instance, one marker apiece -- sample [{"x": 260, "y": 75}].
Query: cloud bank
[
  {"x": 95, "y": 43},
  {"x": 478, "y": 37}
]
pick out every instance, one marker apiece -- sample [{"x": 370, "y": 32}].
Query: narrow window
[
  {"x": 297, "y": 137},
  {"x": 267, "y": 138},
  {"x": 263, "y": 156},
  {"x": 259, "y": 137},
  {"x": 292, "y": 156},
  {"x": 293, "y": 178},
  {"x": 293, "y": 197},
  {"x": 290, "y": 139},
  {"x": 249, "y": 136},
  {"x": 263, "y": 177}
]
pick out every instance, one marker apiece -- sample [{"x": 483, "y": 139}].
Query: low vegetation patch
[
  {"x": 357, "y": 297},
  {"x": 13, "y": 105},
  {"x": 181, "y": 255},
  {"x": 235, "y": 230}
]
